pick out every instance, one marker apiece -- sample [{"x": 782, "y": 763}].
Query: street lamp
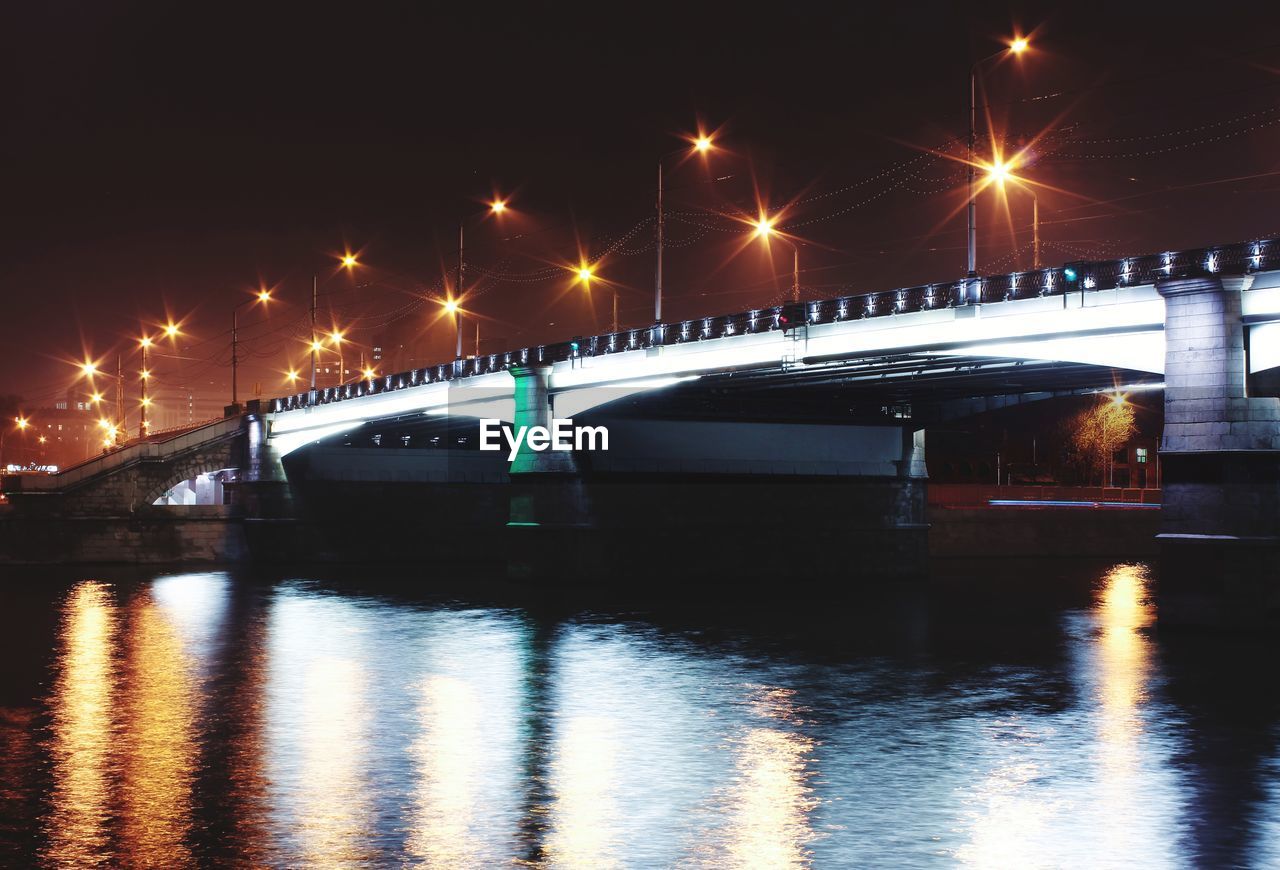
[
  {"x": 585, "y": 273},
  {"x": 335, "y": 336},
  {"x": 143, "y": 376},
  {"x": 262, "y": 296},
  {"x": 764, "y": 229},
  {"x": 702, "y": 144},
  {"x": 1016, "y": 47},
  {"x": 497, "y": 206},
  {"x": 998, "y": 172}
]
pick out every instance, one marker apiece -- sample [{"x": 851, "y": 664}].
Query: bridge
[{"x": 823, "y": 406}]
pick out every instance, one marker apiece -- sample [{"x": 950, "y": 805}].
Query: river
[{"x": 1012, "y": 714}]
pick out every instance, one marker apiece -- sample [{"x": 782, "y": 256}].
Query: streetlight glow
[
  {"x": 764, "y": 227},
  {"x": 369, "y": 374},
  {"x": 317, "y": 346},
  {"x": 498, "y": 206},
  {"x": 145, "y": 341},
  {"x": 349, "y": 261},
  {"x": 1019, "y": 45},
  {"x": 264, "y": 295},
  {"x": 22, "y": 422},
  {"x": 702, "y": 144},
  {"x": 89, "y": 369},
  {"x": 96, "y": 398},
  {"x": 292, "y": 376},
  {"x": 336, "y": 336},
  {"x": 451, "y": 306},
  {"x": 999, "y": 171},
  {"x": 585, "y": 274}
]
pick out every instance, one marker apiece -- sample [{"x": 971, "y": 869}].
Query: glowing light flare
[
  {"x": 1019, "y": 44},
  {"x": 763, "y": 227},
  {"x": 104, "y": 424},
  {"x": 369, "y": 374},
  {"x": 264, "y": 295},
  {"x": 144, "y": 374},
  {"x": 349, "y": 261},
  {"x": 1119, "y": 399},
  {"x": 23, "y": 422},
  {"x": 585, "y": 273},
  {"x": 316, "y": 346},
  {"x": 292, "y": 376},
  {"x": 42, "y": 439},
  {"x": 702, "y": 144},
  {"x": 145, "y": 341},
  {"x": 145, "y": 402},
  {"x": 451, "y": 306},
  {"x": 498, "y": 206},
  {"x": 336, "y": 336},
  {"x": 88, "y": 369},
  {"x": 96, "y": 398}
]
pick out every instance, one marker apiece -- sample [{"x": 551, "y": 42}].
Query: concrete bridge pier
[
  {"x": 1220, "y": 454},
  {"x": 262, "y": 494},
  {"x": 549, "y": 508}
]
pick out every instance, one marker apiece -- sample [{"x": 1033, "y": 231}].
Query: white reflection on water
[
  {"x": 394, "y": 735},
  {"x": 469, "y": 748},
  {"x": 768, "y": 807},
  {"x": 83, "y": 729},
  {"x": 317, "y": 739},
  {"x": 665, "y": 756}
]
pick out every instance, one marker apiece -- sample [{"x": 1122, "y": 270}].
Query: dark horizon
[{"x": 162, "y": 165}]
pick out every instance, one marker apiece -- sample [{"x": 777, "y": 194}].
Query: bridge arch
[{"x": 182, "y": 471}]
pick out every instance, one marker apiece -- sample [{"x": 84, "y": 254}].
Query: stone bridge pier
[{"x": 1220, "y": 530}]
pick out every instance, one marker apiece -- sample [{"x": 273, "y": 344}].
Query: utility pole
[
  {"x": 120, "y": 415},
  {"x": 657, "y": 287},
  {"x": 1035, "y": 231},
  {"x": 615, "y": 309},
  {"x": 457, "y": 315},
  {"x": 314, "y": 285},
  {"x": 142, "y": 406},
  {"x": 795, "y": 273}
]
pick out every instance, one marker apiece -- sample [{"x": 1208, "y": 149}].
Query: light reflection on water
[{"x": 192, "y": 718}]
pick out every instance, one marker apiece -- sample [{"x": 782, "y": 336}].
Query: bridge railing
[
  {"x": 1078, "y": 277},
  {"x": 115, "y": 459}
]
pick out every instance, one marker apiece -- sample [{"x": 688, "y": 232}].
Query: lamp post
[
  {"x": 1015, "y": 47},
  {"x": 144, "y": 376},
  {"x": 263, "y": 296},
  {"x": 497, "y": 207},
  {"x": 701, "y": 145},
  {"x": 764, "y": 229}
]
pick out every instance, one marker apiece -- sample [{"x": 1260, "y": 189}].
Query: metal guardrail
[
  {"x": 1079, "y": 277},
  {"x": 76, "y": 474}
]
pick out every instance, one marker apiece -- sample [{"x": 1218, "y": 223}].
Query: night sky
[{"x": 166, "y": 160}]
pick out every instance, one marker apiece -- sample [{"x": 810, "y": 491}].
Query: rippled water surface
[{"x": 1025, "y": 716}]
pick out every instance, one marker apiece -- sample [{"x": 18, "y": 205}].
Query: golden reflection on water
[
  {"x": 449, "y": 753},
  {"x": 584, "y": 813},
  {"x": 1124, "y": 658},
  {"x": 160, "y": 707},
  {"x": 82, "y": 730}
]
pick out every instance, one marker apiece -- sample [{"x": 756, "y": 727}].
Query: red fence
[{"x": 978, "y": 494}]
